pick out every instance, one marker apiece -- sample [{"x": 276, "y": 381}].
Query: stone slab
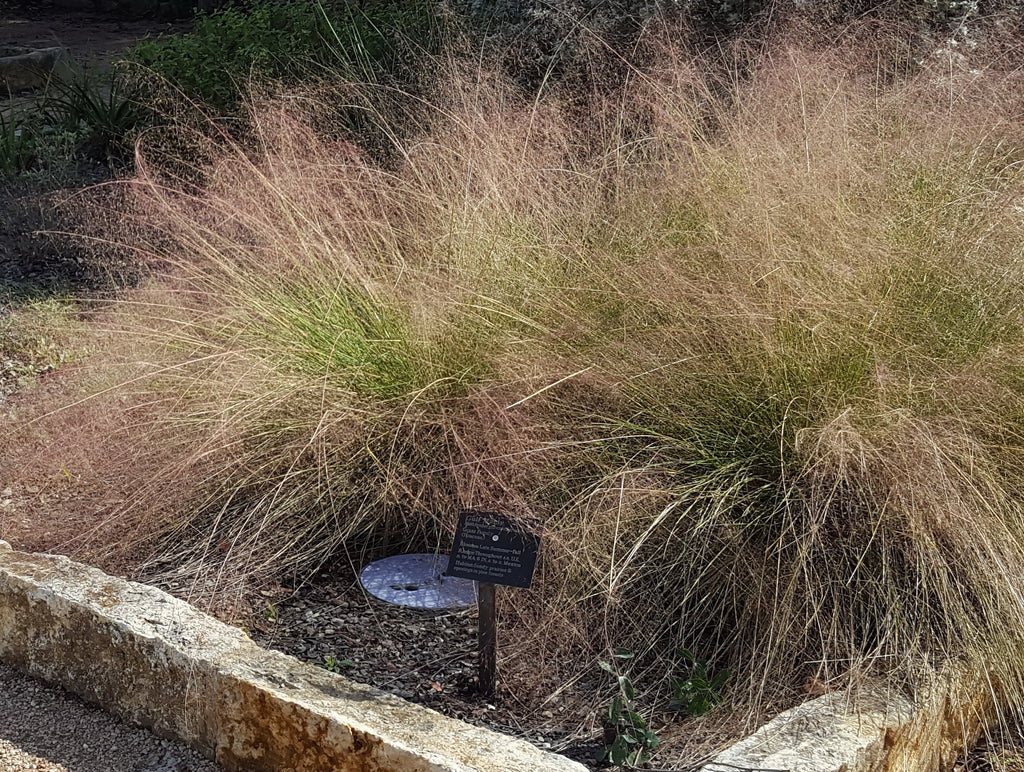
[
  {"x": 154, "y": 660},
  {"x": 30, "y": 69},
  {"x": 826, "y": 734},
  {"x": 876, "y": 729}
]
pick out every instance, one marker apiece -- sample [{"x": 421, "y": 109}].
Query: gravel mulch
[
  {"x": 43, "y": 729},
  {"x": 427, "y": 657}
]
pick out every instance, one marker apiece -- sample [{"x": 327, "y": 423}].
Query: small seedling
[
  {"x": 336, "y": 665},
  {"x": 701, "y": 691},
  {"x": 628, "y": 739}
]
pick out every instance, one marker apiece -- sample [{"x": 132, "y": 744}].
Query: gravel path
[{"x": 43, "y": 729}]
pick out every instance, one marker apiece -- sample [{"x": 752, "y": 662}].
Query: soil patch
[
  {"x": 1002, "y": 751},
  {"x": 92, "y": 39},
  {"x": 426, "y": 657}
]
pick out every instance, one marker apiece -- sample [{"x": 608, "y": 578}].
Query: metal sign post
[
  {"x": 487, "y": 638},
  {"x": 491, "y": 549}
]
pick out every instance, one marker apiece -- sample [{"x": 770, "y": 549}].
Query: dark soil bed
[
  {"x": 1003, "y": 751},
  {"x": 427, "y": 657}
]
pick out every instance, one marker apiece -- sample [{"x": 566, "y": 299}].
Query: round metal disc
[{"x": 417, "y": 580}]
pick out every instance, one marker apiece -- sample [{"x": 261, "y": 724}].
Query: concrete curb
[{"x": 154, "y": 660}]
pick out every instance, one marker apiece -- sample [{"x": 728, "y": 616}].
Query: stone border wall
[
  {"x": 877, "y": 729},
  {"x": 154, "y": 660}
]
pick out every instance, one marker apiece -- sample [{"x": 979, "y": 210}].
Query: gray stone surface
[
  {"x": 827, "y": 734},
  {"x": 875, "y": 729},
  {"x": 158, "y": 662},
  {"x": 26, "y": 70}
]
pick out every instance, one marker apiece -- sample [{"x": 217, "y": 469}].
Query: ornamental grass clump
[{"x": 749, "y": 347}]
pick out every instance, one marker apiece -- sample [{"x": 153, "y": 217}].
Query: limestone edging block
[
  {"x": 875, "y": 729},
  {"x": 157, "y": 661},
  {"x": 826, "y": 734},
  {"x": 29, "y": 69}
]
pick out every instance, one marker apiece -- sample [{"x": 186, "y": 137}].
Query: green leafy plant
[
  {"x": 17, "y": 150},
  {"x": 628, "y": 738},
  {"x": 335, "y": 665},
  {"x": 35, "y": 338},
  {"x": 229, "y": 45},
  {"x": 269, "y": 40},
  {"x": 104, "y": 110},
  {"x": 700, "y": 690}
]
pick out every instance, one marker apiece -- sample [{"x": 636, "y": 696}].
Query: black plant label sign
[{"x": 491, "y": 547}]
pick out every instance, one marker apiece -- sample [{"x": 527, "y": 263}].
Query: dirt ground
[
  {"x": 90, "y": 38},
  {"x": 43, "y": 729}
]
